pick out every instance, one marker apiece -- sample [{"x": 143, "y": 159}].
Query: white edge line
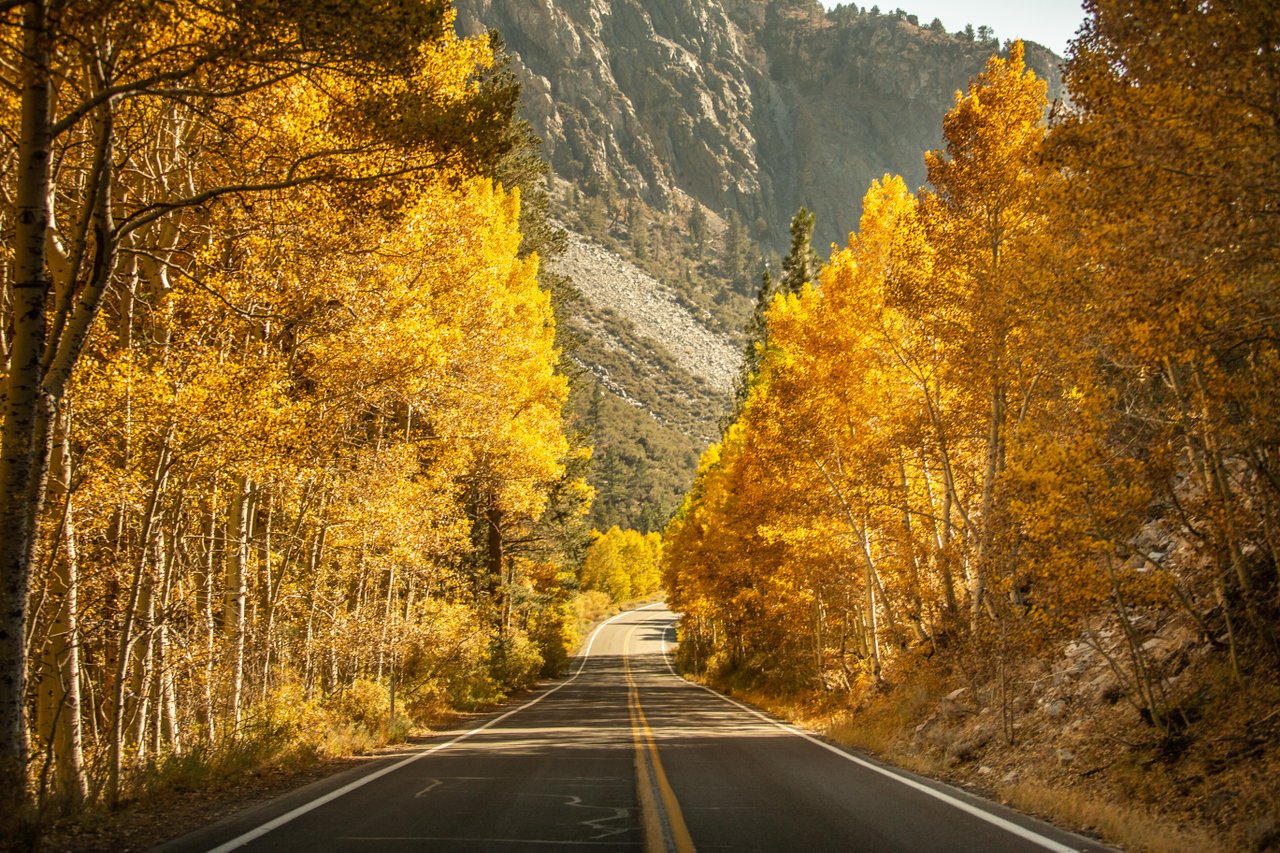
[
  {"x": 254, "y": 834},
  {"x": 1007, "y": 825}
]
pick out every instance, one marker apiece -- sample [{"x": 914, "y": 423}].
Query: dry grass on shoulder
[{"x": 1125, "y": 825}]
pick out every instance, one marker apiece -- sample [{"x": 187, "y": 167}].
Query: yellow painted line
[
  {"x": 650, "y": 817},
  {"x": 650, "y": 773}
]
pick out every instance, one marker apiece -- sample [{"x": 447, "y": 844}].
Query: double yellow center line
[{"x": 664, "y": 828}]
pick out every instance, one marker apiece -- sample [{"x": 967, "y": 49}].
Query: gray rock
[
  {"x": 756, "y": 107},
  {"x": 606, "y": 279},
  {"x": 1105, "y": 689}
]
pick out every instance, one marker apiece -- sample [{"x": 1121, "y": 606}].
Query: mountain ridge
[{"x": 758, "y": 107}]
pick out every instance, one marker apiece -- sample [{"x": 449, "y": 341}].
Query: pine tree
[
  {"x": 698, "y": 231},
  {"x": 801, "y": 263},
  {"x": 757, "y": 334}
]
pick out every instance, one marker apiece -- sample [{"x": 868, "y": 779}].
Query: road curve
[{"x": 625, "y": 755}]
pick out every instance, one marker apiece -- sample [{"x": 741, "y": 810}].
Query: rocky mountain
[
  {"x": 683, "y": 135},
  {"x": 758, "y": 106}
]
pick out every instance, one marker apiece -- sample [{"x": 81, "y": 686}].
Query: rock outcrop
[{"x": 756, "y": 106}]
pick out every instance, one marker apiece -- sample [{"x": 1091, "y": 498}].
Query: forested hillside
[
  {"x": 283, "y": 432},
  {"x": 683, "y": 136},
  {"x": 1006, "y": 473}
]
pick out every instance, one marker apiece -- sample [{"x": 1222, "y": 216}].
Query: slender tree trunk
[
  {"x": 315, "y": 566},
  {"x": 124, "y": 648},
  {"x": 818, "y": 641},
  {"x": 266, "y": 592},
  {"x": 59, "y": 690},
  {"x": 994, "y": 456},
  {"x": 22, "y": 449},
  {"x": 237, "y": 589},
  {"x": 210, "y": 587},
  {"x": 881, "y": 595},
  {"x": 948, "y": 471},
  {"x": 873, "y": 627},
  {"x": 916, "y": 608},
  {"x": 276, "y": 580},
  {"x": 141, "y": 669},
  {"x": 1145, "y": 680},
  {"x": 164, "y": 731},
  {"x": 941, "y": 536},
  {"x": 862, "y": 533},
  {"x": 387, "y": 615}
]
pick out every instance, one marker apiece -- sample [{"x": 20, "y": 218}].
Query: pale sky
[{"x": 1051, "y": 22}]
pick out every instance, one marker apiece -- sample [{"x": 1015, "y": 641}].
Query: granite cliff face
[
  {"x": 756, "y": 106},
  {"x": 650, "y": 98}
]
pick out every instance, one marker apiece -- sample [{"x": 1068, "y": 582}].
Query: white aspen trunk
[
  {"x": 951, "y": 501},
  {"x": 916, "y": 605},
  {"x": 164, "y": 726},
  {"x": 124, "y": 647},
  {"x": 356, "y": 606},
  {"x": 59, "y": 690},
  {"x": 977, "y": 587},
  {"x": 266, "y": 593},
  {"x": 939, "y": 522},
  {"x": 862, "y": 533},
  {"x": 941, "y": 536},
  {"x": 873, "y": 628},
  {"x": 141, "y": 668},
  {"x": 315, "y": 566},
  {"x": 210, "y": 585},
  {"x": 237, "y": 590},
  {"x": 386, "y": 621},
  {"x": 22, "y": 445},
  {"x": 818, "y": 640},
  {"x": 874, "y": 575},
  {"x": 864, "y": 633}
]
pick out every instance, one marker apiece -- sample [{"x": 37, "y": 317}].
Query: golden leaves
[
  {"x": 869, "y": 461},
  {"x": 305, "y": 387}
]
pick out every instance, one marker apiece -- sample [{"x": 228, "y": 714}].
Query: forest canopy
[
  {"x": 1031, "y": 401},
  {"x": 283, "y": 430}
]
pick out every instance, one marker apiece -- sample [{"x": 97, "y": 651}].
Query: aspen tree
[
  {"x": 1173, "y": 155},
  {"x": 275, "y": 365},
  {"x": 983, "y": 221},
  {"x": 123, "y": 58}
]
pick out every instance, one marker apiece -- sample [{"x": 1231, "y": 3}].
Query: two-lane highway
[{"x": 625, "y": 755}]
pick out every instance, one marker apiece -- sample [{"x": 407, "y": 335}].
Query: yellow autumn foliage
[
  {"x": 309, "y": 443},
  {"x": 980, "y": 423}
]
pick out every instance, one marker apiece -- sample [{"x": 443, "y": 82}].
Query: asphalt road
[{"x": 624, "y": 755}]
